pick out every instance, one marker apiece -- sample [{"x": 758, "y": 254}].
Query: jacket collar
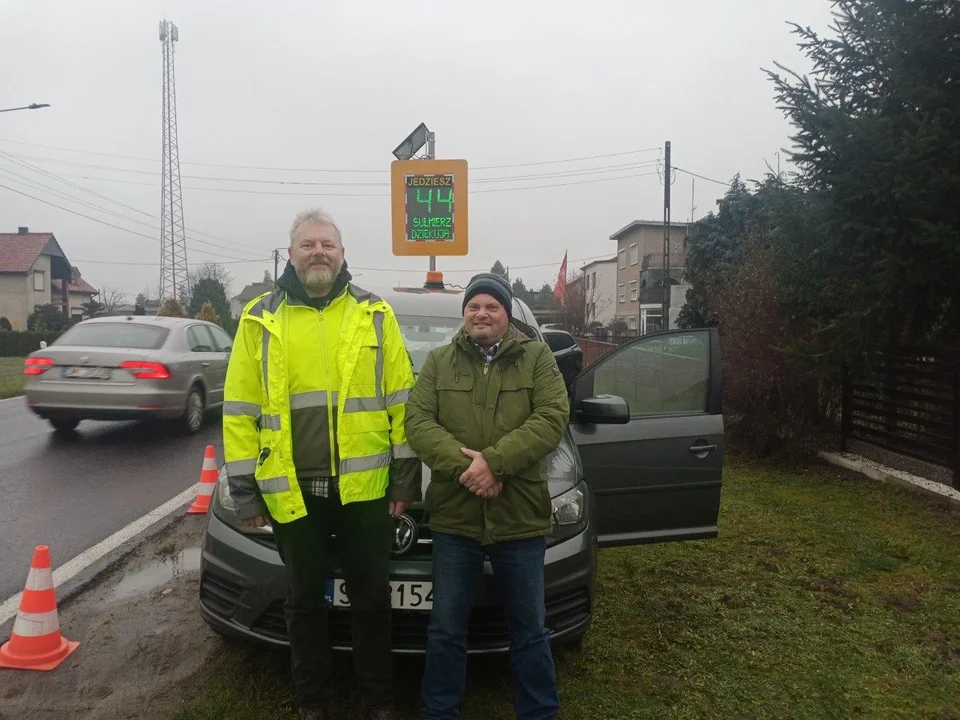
[
  {"x": 297, "y": 294},
  {"x": 511, "y": 344}
]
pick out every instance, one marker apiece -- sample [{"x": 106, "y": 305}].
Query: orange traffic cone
[
  {"x": 36, "y": 642},
  {"x": 208, "y": 481}
]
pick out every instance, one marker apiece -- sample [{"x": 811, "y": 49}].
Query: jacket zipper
[{"x": 326, "y": 384}]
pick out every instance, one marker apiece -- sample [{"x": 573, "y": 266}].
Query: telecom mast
[{"x": 173, "y": 243}]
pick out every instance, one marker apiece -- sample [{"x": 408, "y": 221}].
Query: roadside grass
[
  {"x": 11, "y": 377},
  {"x": 825, "y": 596}
]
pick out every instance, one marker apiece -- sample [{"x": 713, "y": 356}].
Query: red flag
[{"x": 560, "y": 289}]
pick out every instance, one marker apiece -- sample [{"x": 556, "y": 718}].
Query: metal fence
[{"x": 906, "y": 401}]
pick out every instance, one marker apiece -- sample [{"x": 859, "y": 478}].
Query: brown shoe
[{"x": 323, "y": 714}]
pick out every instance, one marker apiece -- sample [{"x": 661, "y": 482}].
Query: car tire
[
  {"x": 193, "y": 413},
  {"x": 64, "y": 426}
]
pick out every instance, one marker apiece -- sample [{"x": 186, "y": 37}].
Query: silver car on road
[{"x": 131, "y": 367}]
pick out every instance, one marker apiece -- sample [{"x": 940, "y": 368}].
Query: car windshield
[
  {"x": 422, "y": 334},
  {"x": 115, "y": 335}
]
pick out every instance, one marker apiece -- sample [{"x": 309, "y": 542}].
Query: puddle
[{"x": 156, "y": 574}]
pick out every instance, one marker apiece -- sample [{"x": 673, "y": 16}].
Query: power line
[
  {"x": 355, "y": 267},
  {"x": 27, "y": 166},
  {"x": 363, "y": 195},
  {"x": 97, "y": 220},
  {"x": 156, "y": 264},
  {"x": 702, "y": 177},
  {"x": 288, "y": 169},
  {"x": 578, "y": 182},
  {"x": 321, "y": 183}
]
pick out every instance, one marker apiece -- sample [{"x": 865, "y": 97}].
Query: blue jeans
[{"x": 457, "y": 571}]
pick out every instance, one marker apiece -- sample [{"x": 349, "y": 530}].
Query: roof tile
[{"x": 18, "y": 252}]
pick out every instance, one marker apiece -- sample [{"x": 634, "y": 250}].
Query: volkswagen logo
[{"x": 405, "y": 535}]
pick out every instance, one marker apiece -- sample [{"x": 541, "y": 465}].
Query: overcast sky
[{"x": 337, "y": 85}]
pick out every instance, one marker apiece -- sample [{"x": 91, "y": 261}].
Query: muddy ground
[{"x": 144, "y": 649}]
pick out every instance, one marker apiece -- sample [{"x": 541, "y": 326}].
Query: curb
[
  {"x": 885, "y": 477},
  {"x": 103, "y": 567}
]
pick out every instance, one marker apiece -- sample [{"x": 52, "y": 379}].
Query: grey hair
[{"x": 317, "y": 216}]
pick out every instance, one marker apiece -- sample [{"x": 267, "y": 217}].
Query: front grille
[
  {"x": 487, "y": 628},
  {"x": 423, "y": 548},
  {"x": 219, "y": 595}
]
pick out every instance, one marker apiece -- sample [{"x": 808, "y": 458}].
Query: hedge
[{"x": 16, "y": 343}]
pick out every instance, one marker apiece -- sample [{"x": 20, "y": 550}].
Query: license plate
[
  {"x": 404, "y": 594},
  {"x": 87, "y": 373}
]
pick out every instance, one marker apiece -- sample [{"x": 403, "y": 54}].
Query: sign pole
[{"x": 431, "y": 155}]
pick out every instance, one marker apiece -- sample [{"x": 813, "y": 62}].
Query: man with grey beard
[{"x": 314, "y": 442}]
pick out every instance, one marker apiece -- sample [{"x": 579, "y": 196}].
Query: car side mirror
[{"x": 605, "y": 410}]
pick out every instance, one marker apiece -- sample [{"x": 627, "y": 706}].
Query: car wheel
[
  {"x": 63, "y": 425},
  {"x": 192, "y": 419}
]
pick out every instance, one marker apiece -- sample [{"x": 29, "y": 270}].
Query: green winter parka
[{"x": 513, "y": 410}]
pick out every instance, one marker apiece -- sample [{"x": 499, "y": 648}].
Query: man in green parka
[{"x": 486, "y": 411}]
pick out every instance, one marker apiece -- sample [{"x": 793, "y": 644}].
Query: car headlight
[
  {"x": 569, "y": 513},
  {"x": 225, "y": 509}
]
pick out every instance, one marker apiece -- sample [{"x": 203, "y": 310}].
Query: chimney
[{"x": 23, "y": 230}]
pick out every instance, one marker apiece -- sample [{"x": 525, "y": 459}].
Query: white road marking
[{"x": 81, "y": 562}]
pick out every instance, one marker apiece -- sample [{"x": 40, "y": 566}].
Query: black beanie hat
[{"x": 491, "y": 284}]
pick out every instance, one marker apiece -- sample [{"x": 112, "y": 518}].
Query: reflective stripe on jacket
[{"x": 317, "y": 392}]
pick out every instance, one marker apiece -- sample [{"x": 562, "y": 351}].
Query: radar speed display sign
[{"x": 429, "y": 206}]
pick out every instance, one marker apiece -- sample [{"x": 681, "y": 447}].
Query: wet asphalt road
[{"x": 71, "y": 493}]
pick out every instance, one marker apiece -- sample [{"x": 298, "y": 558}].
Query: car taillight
[
  {"x": 36, "y": 365},
  {"x": 146, "y": 370}
]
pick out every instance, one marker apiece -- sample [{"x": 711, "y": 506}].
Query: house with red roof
[
  {"x": 80, "y": 291},
  {"x": 30, "y": 263}
]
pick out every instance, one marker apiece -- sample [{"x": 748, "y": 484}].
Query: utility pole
[
  {"x": 693, "y": 197},
  {"x": 276, "y": 264},
  {"x": 431, "y": 155},
  {"x": 665, "y": 321}
]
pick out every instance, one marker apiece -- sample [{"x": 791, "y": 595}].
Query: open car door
[{"x": 647, "y": 420}]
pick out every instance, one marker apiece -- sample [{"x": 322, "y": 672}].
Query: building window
[
  {"x": 633, "y": 290},
  {"x": 623, "y": 258},
  {"x": 594, "y": 276},
  {"x": 621, "y": 293},
  {"x": 634, "y": 255},
  {"x": 632, "y": 322},
  {"x": 38, "y": 285},
  {"x": 651, "y": 322}
]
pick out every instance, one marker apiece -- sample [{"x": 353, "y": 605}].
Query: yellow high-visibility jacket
[{"x": 317, "y": 393}]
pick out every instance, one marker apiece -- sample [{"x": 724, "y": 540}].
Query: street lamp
[{"x": 32, "y": 106}]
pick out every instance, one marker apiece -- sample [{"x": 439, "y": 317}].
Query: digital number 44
[{"x": 428, "y": 200}]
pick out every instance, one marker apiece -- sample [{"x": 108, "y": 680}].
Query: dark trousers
[
  {"x": 363, "y": 532},
  {"x": 457, "y": 570}
]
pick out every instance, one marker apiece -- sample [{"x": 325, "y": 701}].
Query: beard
[{"x": 318, "y": 276}]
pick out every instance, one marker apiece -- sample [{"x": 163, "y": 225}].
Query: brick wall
[{"x": 593, "y": 350}]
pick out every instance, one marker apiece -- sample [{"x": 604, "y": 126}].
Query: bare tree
[
  {"x": 213, "y": 271},
  {"x": 573, "y": 306},
  {"x": 111, "y": 298}
]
